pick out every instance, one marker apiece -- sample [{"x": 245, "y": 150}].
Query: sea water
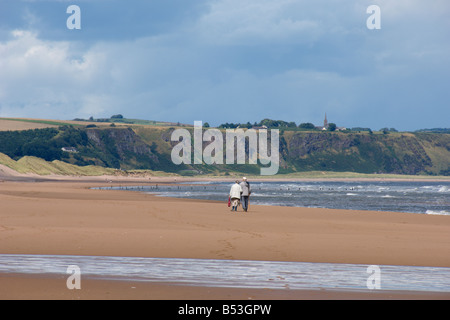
[
  {"x": 232, "y": 273},
  {"x": 399, "y": 196}
]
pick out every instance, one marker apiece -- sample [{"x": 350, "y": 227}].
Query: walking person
[
  {"x": 235, "y": 195},
  {"x": 246, "y": 191}
]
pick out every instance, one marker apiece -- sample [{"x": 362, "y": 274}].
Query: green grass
[{"x": 142, "y": 122}]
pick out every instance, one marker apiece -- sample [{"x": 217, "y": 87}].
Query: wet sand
[
  {"x": 18, "y": 287},
  {"x": 67, "y": 218}
]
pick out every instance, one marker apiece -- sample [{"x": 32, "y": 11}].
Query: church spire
[{"x": 325, "y": 122}]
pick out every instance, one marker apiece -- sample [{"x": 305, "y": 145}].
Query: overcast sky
[{"x": 228, "y": 61}]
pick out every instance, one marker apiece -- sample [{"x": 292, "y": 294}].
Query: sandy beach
[{"x": 66, "y": 217}]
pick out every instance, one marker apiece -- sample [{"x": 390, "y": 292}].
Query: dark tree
[{"x": 331, "y": 127}]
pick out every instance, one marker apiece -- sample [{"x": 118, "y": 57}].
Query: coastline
[
  {"x": 8, "y": 174},
  {"x": 64, "y": 216}
]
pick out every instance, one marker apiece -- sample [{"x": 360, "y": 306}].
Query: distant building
[
  {"x": 325, "y": 124},
  {"x": 259, "y": 127},
  {"x": 69, "y": 149}
]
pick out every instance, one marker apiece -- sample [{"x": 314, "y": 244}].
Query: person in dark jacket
[{"x": 246, "y": 191}]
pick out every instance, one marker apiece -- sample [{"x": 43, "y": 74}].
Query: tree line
[
  {"x": 277, "y": 124},
  {"x": 42, "y": 143}
]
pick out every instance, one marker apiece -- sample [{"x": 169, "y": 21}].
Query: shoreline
[
  {"x": 66, "y": 217},
  {"x": 182, "y": 191},
  {"x": 54, "y": 288},
  {"x": 8, "y": 174}
]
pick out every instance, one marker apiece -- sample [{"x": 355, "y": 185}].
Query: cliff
[
  {"x": 399, "y": 153},
  {"x": 149, "y": 147}
]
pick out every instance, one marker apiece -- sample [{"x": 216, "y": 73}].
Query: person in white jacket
[{"x": 235, "y": 195}]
